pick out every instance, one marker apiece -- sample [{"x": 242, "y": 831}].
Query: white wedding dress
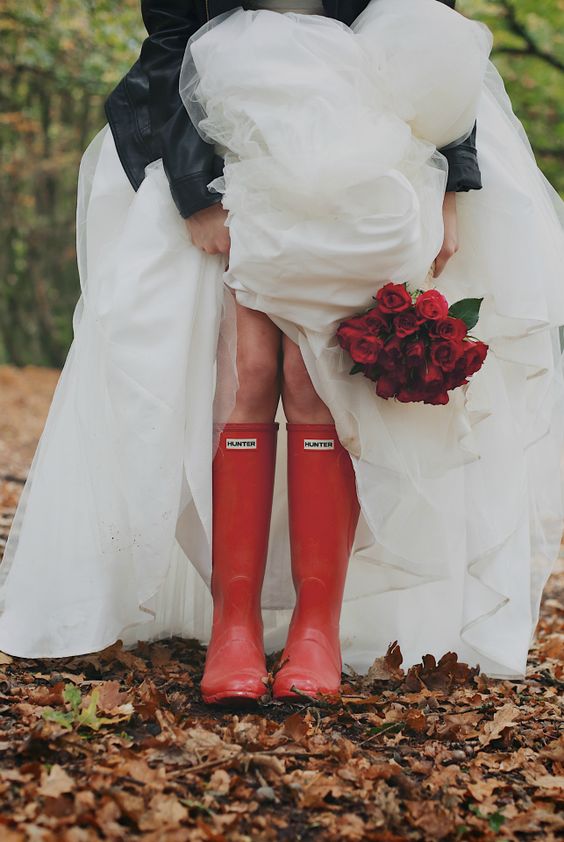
[{"x": 333, "y": 186}]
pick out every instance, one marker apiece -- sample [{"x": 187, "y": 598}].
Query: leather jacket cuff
[
  {"x": 463, "y": 171},
  {"x": 463, "y": 168},
  {"x": 190, "y": 193}
]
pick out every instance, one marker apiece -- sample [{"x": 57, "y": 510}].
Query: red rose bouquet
[{"x": 414, "y": 346}]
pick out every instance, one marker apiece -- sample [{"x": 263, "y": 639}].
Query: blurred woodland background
[{"x": 60, "y": 59}]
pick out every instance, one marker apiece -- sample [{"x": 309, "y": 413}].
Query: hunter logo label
[
  {"x": 319, "y": 444},
  {"x": 241, "y": 444}
]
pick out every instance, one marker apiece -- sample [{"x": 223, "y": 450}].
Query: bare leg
[
  {"x": 302, "y": 404},
  {"x": 259, "y": 344}
]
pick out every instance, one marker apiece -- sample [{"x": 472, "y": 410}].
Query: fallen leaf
[
  {"x": 164, "y": 811},
  {"x": 386, "y": 667},
  {"x": 416, "y": 721},
  {"x": 507, "y": 716},
  {"x": 111, "y": 699},
  {"x": 483, "y": 789},
  {"x": 56, "y": 782},
  {"x": 219, "y": 782},
  {"x": 296, "y": 727},
  {"x": 550, "y": 782}
]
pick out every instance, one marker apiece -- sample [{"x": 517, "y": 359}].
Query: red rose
[
  {"x": 431, "y": 377},
  {"x": 417, "y": 392},
  {"x": 348, "y": 331},
  {"x": 386, "y": 386},
  {"x": 415, "y": 353},
  {"x": 406, "y": 394},
  {"x": 474, "y": 356},
  {"x": 391, "y": 356},
  {"x": 365, "y": 348},
  {"x": 448, "y": 328},
  {"x": 456, "y": 378},
  {"x": 431, "y": 305},
  {"x": 436, "y": 397},
  {"x": 393, "y": 298},
  {"x": 445, "y": 354},
  {"x": 372, "y": 372},
  {"x": 406, "y": 323},
  {"x": 375, "y": 321}
]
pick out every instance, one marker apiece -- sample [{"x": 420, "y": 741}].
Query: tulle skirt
[{"x": 334, "y": 186}]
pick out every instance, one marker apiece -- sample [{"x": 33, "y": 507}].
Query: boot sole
[
  {"x": 229, "y": 697},
  {"x": 288, "y": 696}
]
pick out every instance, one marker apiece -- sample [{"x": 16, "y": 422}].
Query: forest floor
[{"x": 117, "y": 745}]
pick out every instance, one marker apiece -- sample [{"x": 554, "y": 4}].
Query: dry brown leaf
[
  {"x": 219, "y": 782},
  {"x": 431, "y": 817},
  {"x": 56, "y": 782},
  {"x": 148, "y": 700},
  {"x": 164, "y": 811},
  {"x": 387, "y": 667},
  {"x": 296, "y": 727},
  {"x": 138, "y": 769},
  {"x": 445, "y": 674},
  {"x": 269, "y": 762},
  {"x": 44, "y": 695},
  {"x": 536, "y": 820},
  {"x": 8, "y": 835},
  {"x": 132, "y": 806},
  {"x": 555, "y": 782},
  {"x": 483, "y": 789},
  {"x": 351, "y": 826},
  {"x": 160, "y": 655},
  {"x": 15, "y": 775},
  {"x": 553, "y": 647},
  {"x": 554, "y": 750},
  {"x": 416, "y": 721},
  {"x": 506, "y": 716},
  {"x": 111, "y": 699}
]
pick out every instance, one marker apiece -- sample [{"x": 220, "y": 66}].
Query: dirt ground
[{"x": 118, "y": 745}]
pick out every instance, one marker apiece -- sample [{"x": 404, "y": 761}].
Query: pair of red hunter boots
[{"x": 323, "y": 514}]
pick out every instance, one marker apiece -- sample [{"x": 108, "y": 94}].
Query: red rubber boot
[
  {"x": 243, "y": 482},
  {"x": 323, "y": 511}
]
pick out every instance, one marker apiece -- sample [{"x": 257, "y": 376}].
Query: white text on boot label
[
  {"x": 319, "y": 444},
  {"x": 241, "y": 444}
]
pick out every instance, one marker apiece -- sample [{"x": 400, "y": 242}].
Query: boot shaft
[{"x": 242, "y": 485}]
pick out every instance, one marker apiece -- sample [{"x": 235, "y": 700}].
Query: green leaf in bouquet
[
  {"x": 467, "y": 309},
  {"x": 357, "y": 367}
]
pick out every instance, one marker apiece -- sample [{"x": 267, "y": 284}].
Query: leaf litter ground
[{"x": 118, "y": 745}]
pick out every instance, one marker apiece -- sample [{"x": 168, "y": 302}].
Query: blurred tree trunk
[{"x": 59, "y": 61}]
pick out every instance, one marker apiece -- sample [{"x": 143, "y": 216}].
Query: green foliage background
[{"x": 59, "y": 60}]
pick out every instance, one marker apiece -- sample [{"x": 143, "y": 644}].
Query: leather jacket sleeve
[
  {"x": 463, "y": 169},
  {"x": 189, "y": 162}
]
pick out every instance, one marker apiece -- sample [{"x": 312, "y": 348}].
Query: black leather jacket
[{"x": 148, "y": 120}]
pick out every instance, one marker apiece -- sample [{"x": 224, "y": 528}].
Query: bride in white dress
[{"x": 461, "y": 510}]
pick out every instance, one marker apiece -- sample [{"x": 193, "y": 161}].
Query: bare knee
[
  {"x": 258, "y": 367},
  {"x": 302, "y": 404},
  {"x": 258, "y": 374}
]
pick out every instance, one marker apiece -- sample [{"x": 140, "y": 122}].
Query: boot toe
[
  {"x": 234, "y": 669},
  {"x": 310, "y": 683},
  {"x": 224, "y": 687},
  {"x": 313, "y": 665}
]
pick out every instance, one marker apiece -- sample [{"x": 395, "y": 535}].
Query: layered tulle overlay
[{"x": 334, "y": 186}]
